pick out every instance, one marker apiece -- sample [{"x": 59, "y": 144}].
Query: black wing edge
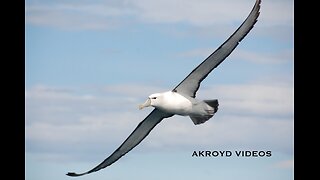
[
  {"x": 257, "y": 5},
  {"x": 104, "y": 163}
]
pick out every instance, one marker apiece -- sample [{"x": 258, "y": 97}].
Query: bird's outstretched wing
[
  {"x": 191, "y": 83},
  {"x": 188, "y": 86},
  {"x": 141, "y": 131}
]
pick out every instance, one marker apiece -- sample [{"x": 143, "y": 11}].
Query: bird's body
[
  {"x": 175, "y": 103},
  {"x": 171, "y": 102},
  {"x": 181, "y": 100}
]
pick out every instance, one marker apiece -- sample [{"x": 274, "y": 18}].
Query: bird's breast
[{"x": 175, "y": 103}]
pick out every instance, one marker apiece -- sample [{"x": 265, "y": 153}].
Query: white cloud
[
  {"x": 265, "y": 58},
  {"x": 277, "y": 13},
  {"x": 261, "y": 99},
  {"x": 111, "y": 14},
  {"x": 75, "y": 15},
  {"x": 62, "y": 121},
  {"x": 198, "y": 13},
  {"x": 133, "y": 90}
]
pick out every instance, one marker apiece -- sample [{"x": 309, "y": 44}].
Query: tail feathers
[
  {"x": 200, "y": 119},
  {"x": 213, "y": 103}
]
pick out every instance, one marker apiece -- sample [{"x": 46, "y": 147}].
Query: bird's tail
[
  {"x": 213, "y": 103},
  {"x": 202, "y": 119}
]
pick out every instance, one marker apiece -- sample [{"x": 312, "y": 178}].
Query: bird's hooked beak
[{"x": 145, "y": 104}]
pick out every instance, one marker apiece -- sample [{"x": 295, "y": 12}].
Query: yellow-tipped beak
[{"x": 145, "y": 104}]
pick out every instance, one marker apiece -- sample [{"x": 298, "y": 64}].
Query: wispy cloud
[
  {"x": 76, "y": 15},
  {"x": 110, "y": 14},
  {"x": 79, "y": 113},
  {"x": 279, "y": 57},
  {"x": 59, "y": 121},
  {"x": 250, "y": 99}
]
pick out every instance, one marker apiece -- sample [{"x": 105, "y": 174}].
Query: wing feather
[
  {"x": 190, "y": 85},
  {"x": 141, "y": 131}
]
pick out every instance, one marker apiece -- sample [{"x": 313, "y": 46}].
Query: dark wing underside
[
  {"x": 141, "y": 131},
  {"x": 188, "y": 86},
  {"x": 191, "y": 83}
]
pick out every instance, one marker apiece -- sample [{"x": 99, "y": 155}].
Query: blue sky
[{"x": 90, "y": 63}]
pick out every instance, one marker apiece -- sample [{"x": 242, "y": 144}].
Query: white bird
[{"x": 181, "y": 100}]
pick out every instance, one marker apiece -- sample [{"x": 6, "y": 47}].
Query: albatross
[{"x": 181, "y": 99}]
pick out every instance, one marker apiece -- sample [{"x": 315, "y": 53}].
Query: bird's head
[{"x": 153, "y": 100}]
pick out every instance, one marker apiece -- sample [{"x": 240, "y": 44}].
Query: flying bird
[{"x": 181, "y": 100}]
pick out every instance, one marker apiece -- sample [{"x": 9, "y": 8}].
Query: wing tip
[{"x": 73, "y": 174}]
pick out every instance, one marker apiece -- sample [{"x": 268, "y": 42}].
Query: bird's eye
[{"x": 154, "y": 98}]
